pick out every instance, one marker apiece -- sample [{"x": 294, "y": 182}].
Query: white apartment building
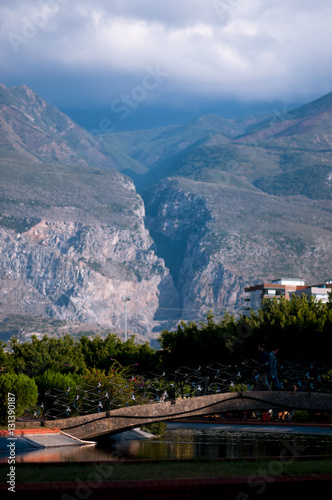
[
  {"x": 319, "y": 292},
  {"x": 283, "y": 287}
]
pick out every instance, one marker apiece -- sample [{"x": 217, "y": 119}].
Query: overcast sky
[{"x": 115, "y": 58}]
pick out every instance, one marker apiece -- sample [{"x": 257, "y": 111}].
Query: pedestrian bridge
[{"x": 114, "y": 421}]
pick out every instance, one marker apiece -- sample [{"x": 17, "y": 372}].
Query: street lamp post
[{"x": 125, "y": 299}]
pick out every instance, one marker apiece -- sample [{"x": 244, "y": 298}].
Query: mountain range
[{"x": 178, "y": 218}]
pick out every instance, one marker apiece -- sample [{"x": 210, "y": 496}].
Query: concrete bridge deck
[{"x": 114, "y": 421}]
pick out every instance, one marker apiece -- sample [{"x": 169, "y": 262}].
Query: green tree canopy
[
  {"x": 192, "y": 343},
  {"x": 20, "y": 390},
  {"x": 60, "y": 355},
  {"x": 300, "y": 327},
  {"x": 55, "y": 380},
  {"x": 99, "y": 353}
]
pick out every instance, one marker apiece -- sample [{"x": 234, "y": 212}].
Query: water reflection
[
  {"x": 188, "y": 441},
  {"x": 215, "y": 442},
  {"x": 60, "y": 454}
]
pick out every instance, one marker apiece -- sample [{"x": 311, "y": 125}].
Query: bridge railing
[{"x": 184, "y": 382}]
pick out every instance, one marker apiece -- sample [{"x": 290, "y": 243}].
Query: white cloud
[{"x": 245, "y": 48}]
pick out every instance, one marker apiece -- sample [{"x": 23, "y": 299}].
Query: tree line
[{"x": 300, "y": 327}]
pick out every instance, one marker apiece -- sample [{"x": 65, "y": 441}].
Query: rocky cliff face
[
  {"x": 73, "y": 239},
  {"x": 75, "y": 272}
]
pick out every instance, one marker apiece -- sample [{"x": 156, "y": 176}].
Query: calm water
[{"x": 187, "y": 441}]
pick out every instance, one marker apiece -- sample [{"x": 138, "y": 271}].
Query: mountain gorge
[
  {"x": 266, "y": 189},
  {"x": 178, "y": 218}
]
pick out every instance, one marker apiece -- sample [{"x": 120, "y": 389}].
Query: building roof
[{"x": 261, "y": 286}]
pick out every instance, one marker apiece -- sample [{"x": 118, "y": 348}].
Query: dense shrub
[
  {"x": 157, "y": 428},
  {"x": 239, "y": 388},
  {"x": 23, "y": 389},
  {"x": 122, "y": 388},
  {"x": 55, "y": 380},
  {"x": 300, "y": 416}
]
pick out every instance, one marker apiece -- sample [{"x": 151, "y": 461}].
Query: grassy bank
[{"x": 29, "y": 473}]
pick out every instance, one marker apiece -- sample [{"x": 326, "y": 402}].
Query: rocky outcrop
[
  {"x": 75, "y": 272},
  {"x": 72, "y": 235}
]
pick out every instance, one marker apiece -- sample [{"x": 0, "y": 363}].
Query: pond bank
[
  {"x": 26, "y": 439},
  {"x": 259, "y": 426},
  {"x": 29, "y": 439}
]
